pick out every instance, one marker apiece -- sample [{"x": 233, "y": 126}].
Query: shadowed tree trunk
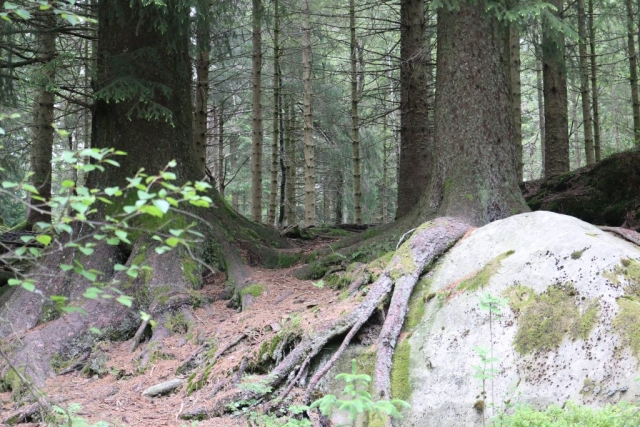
[
  {"x": 202, "y": 83},
  {"x": 273, "y": 196},
  {"x": 584, "y": 86},
  {"x": 256, "y": 113},
  {"x": 594, "y": 84},
  {"x": 309, "y": 145},
  {"x": 415, "y": 154},
  {"x": 554, "y": 71},
  {"x": 633, "y": 72},
  {"x": 42, "y": 144},
  {"x": 355, "y": 125},
  {"x": 516, "y": 93}
]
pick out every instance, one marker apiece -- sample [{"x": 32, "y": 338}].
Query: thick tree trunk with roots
[{"x": 131, "y": 50}]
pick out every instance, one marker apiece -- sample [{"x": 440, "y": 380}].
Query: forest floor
[{"x": 116, "y": 395}]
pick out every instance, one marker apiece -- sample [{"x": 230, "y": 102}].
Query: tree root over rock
[{"x": 427, "y": 243}]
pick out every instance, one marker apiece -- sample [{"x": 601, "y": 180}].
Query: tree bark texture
[
  {"x": 309, "y": 145},
  {"x": 516, "y": 94},
  {"x": 290, "y": 150},
  {"x": 554, "y": 72},
  {"x": 594, "y": 84},
  {"x": 256, "y": 113},
  {"x": 475, "y": 176},
  {"x": 355, "y": 124},
  {"x": 416, "y": 156},
  {"x": 273, "y": 195},
  {"x": 42, "y": 143},
  {"x": 633, "y": 72},
  {"x": 203, "y": 48},
  {"x": 587, "y": 124}
]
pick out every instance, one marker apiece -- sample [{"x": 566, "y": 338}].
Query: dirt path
[{"x": 116, "y": 396}]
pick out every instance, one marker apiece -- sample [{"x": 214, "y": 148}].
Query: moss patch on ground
[
  {"x": 254, "y": 290},
  {"x": 544, "y": 320},
  {"x": 481, "y": 278}
]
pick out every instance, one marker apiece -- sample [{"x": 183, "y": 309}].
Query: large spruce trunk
[
  {"x": 475, "y": 171},
  {"x": 416, "y": 157}
]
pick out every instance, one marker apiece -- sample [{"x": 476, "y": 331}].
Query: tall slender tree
[
  {"x": 256, "y": 112},
  {"x": 355, "y": 119},
  {"x": 42, "y": 144},
  {"x": 587, "y": 124},
  {"x": 309, "y": 145},
  {"x": 556, "y": 152},
  {"x": 633, "y": 72}
]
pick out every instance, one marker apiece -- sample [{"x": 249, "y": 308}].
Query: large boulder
[{"x": 568, "y": 327}]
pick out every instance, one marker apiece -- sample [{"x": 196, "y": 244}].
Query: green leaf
[
  {"x": 172, "y": 164},
  {"x": 176, "y": 233},
  {"x": 163, "y": 205},
  {"x": 89, "y": 275},
  {"x": 23, "y": 14},
  {"x": 68, "y": 183},
  {"x": 8, "y": 184},
  {"x": 10, "y": 6},
  {"x": 162, "y": 249},
  {"x": 95, "y": 330},
  {"x": 30, "y": 188},
  {"x": 44, "y": 239},
  {"x": 125, "y": 300},
  {"x": 113, "y": 241},
  {"x": 92, "y": 293},
  {"x": 151, "y": 210},
  {"x": 14, "y": 282},
  {"x": 119, "y": 267},
  {"x": 73, "y": 309},
  {"x": 65, "y": 267},
  {"x": 28, "y": 286},
  {"x": 72, "y": 19},
  {"x": 122, "y": 235},
  {"x": 85, "y": 250},
  {"x": 132, "y": 272},
  {"x": 172, "y": 241},
  {"x": 113, "y": 191}
]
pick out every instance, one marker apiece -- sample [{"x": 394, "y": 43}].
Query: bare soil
[{"x": 116, "y": 396}]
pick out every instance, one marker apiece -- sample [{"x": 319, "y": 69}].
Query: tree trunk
[
  {"x": 633, "y": 73},
  {"x": 516, "y": 93},
  {"x": 309, "y": 145},
  {"x": 290, "y": 150},
  {"x": 42, "y": 146},
  {"x": 584, "y": 86},
  {"x": 203, "y": 48},
  {"x": 338, "y": 189},
  {"x": 556, "y": 158},
  {"x": 541, "y": 125},
  {"x": 594, "y": 84},
  {"x": 355, "y": 125},
  {"x": 475, "y": 176},
  {"x": 273, "y": 196},
  {"x": 221, "y": 172},
  {"x": 415, "y": 154},
  {"x": 256, "y": 113}
]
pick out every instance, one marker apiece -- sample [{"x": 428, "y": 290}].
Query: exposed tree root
[
  {"x": 426, "y": 244},
  {"x": 629, "y": 235}
]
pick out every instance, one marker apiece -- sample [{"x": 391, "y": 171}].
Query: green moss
[
  {"x": 403, "y": 262},
  {"x": 177, "y": 323},
  {"x": 627, "y": 323},
  {"x": 520, "y": 297},
  {"x": 400, "y": 385},
  {"x": 578, "y": 254},
  {"x": 254, "y": 290},
  {"x": 417, "y": 303},
  {"x": 192, "y": 272},
  {"x": 481, "y": 278},
  {"x": 287, "y": 259},
  {"x": 546, "y": 319},
  {"x": 197, "y": 381},
  {"x": 589, "y": 319},
  {"x": 12, "y": 382}
]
